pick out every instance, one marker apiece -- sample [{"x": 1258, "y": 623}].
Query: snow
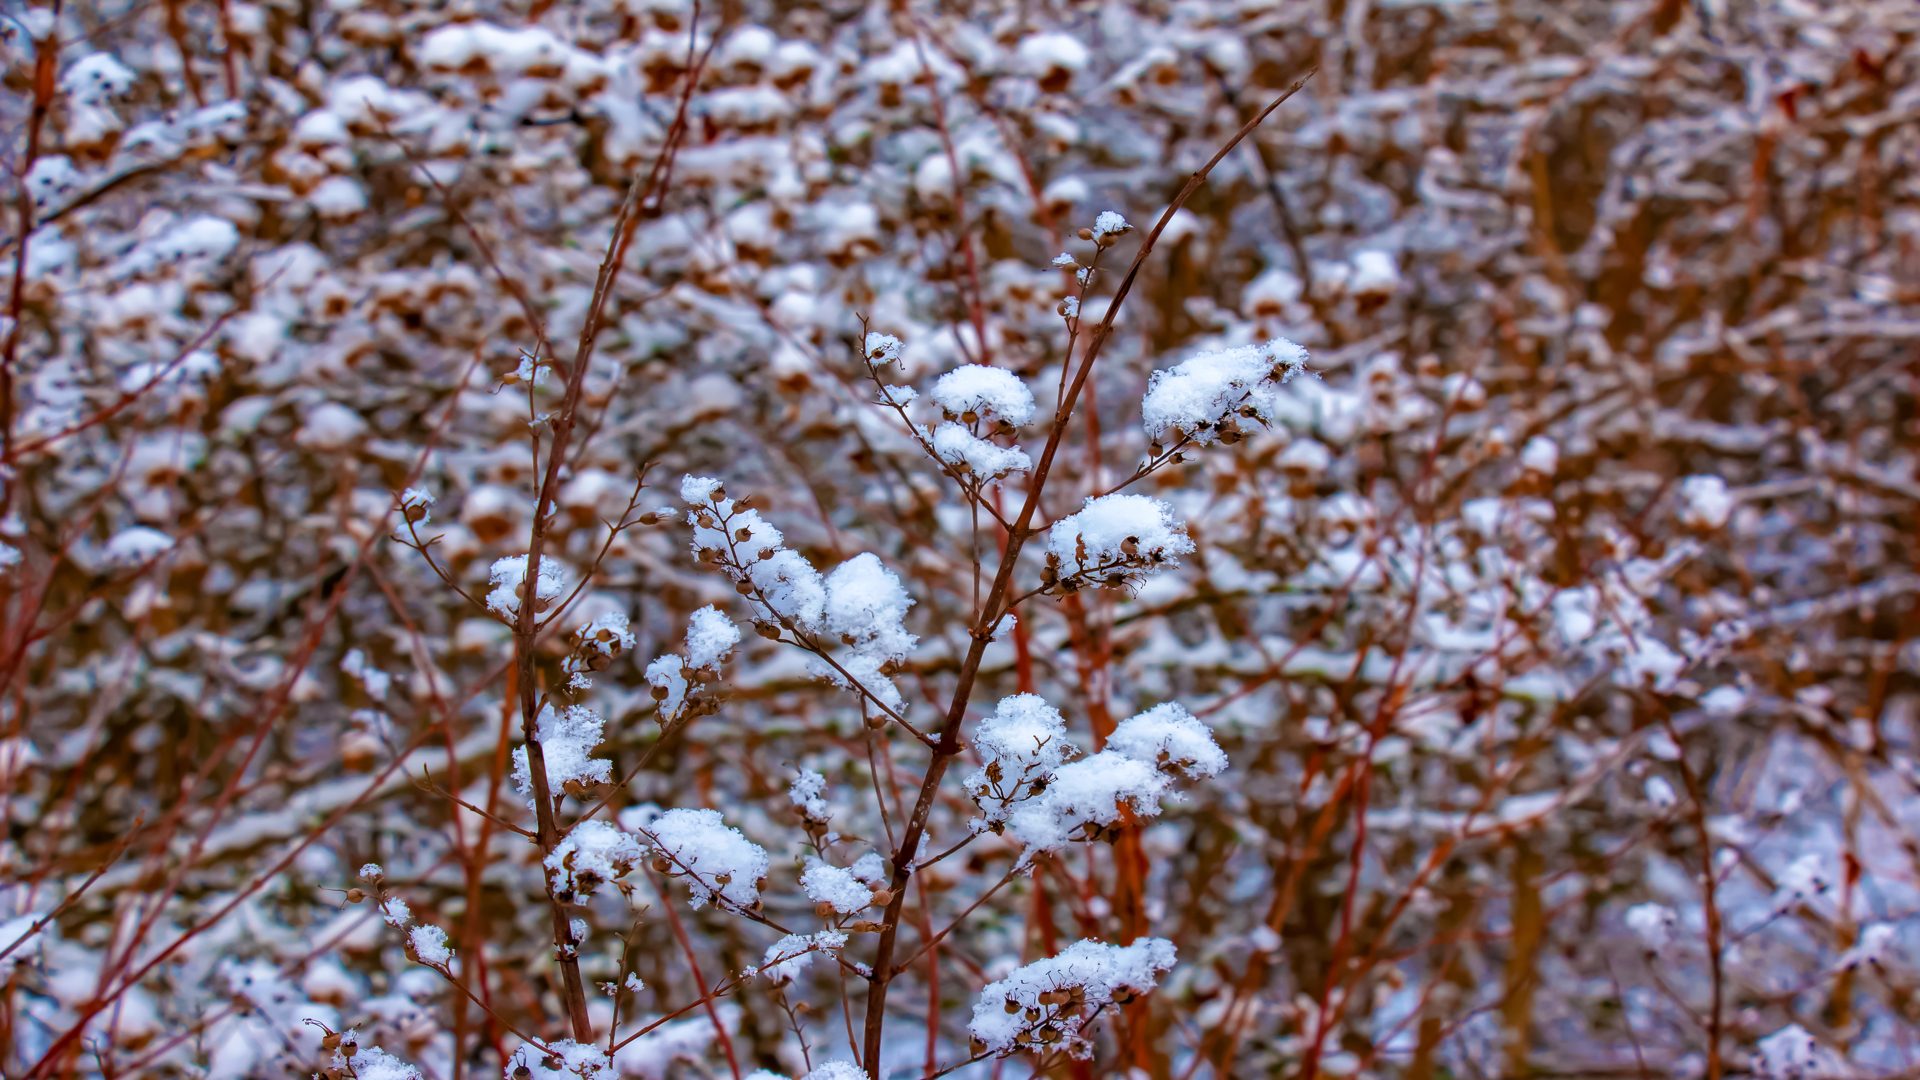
[
  {"x": 807, "y": 792},
  {"x": 416, "y": 503},
  {"x": 1024, "y": 789},
  {"x": 592, "y": 853},
  {"x": 1791, "y": 1053},
  {"x": 1374, "y": 272},
  {"x": 1022, "y": 743},
  {"x": 331, "y": 427},
  {"x": 871, "y": 868},
  {"x": 1654, "y": 924},
  {"x": 338, "y": 197},
  {"x": 668, "y": 677},
  {"x": 716, "y": 862},
  {"x": 1705, "y": 502},
  {"x": 1877, "y": 946},
  {"x": 836, "y": 1070},
  {"x": 1211, "y": 392},
  {"x": 597, "y": 642},
  {"x": 836, "y": 888},
  {"x": 508, "y": 578},
  {"x": 785, "y": 959},
  {"x": 865, "y": 608},
  {"x": 1168, "y": 736},
  {"x": 1065, "y": 992},
  {"x": 14, "y": 941},
  {"x": 1042, "y": 53},
  {"x": 710, "y": 637},
  {"x": 395, "y": 911},
  {"x": 567, "y": 736},
  {"x": 975, "y": 456},
  {"x": 430, "y": 945},
  {"x": 1108, "y": 225},
  {"x": 137, "y": 544},
  {"x": 984, "y": 393},
  {"x": 860, "y": 671},
  {"x": 1540, "y": 455},
  {"x": 1660, "y": 793},
  {"x": 356, "y": 666},
  {"x": 373, "y": 1063},
  {"x": 1087, "y": 792},
  {"x": 657, "y": 1055},
  {"x": 1115, "y": 536},
  {"x": 95, "y": 78},
  {"x": 1804, "y": 879},
  {"x": 793, "y": 589},
  {"x": 562, "y": 1060}
]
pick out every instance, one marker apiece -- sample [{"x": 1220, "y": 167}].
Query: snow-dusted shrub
[{"x": 1417, "y": 582}]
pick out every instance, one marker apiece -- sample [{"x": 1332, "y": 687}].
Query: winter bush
[{"x": 643, "y": 538}]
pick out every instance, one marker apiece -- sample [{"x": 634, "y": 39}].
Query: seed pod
[
  {"x": 882, "y": 897},
  {"x": 661, "y": 864},
  {"x": 354, "y": 896},
  {"x": 823, "y": 909}
]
